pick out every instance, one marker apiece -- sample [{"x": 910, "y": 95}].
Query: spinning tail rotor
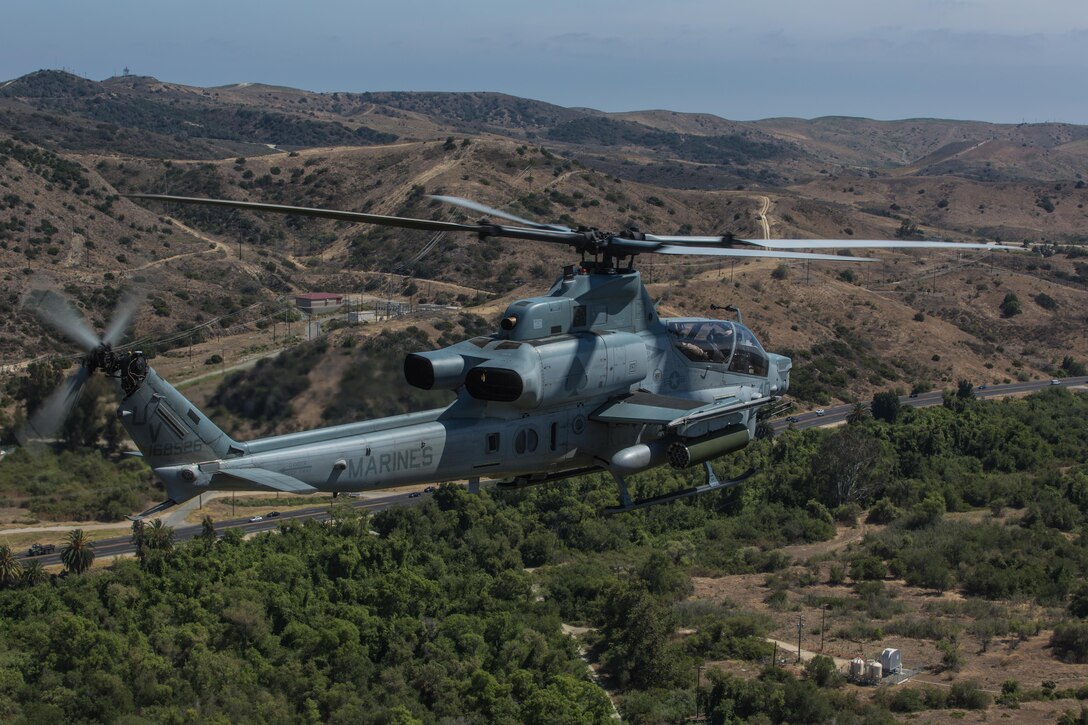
[{"x": 57, "y": 311}]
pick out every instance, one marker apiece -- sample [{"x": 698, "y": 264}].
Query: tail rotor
[{"x": 58, "y": 312}]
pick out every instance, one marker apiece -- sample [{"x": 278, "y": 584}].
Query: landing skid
[
  {"x": 712, "y": 484},
  {"x": 153, "y": 510}
]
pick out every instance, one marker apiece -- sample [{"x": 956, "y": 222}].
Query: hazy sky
[{"x": 993, "y": 60}]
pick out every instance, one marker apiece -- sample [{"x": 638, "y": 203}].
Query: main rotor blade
[
  {"x": 122, "y": 316},
  {"x": 827, "y": 243},
  {"x": 58, "y": 311},
  {"x": 347, "y": 216},
  {"x": 483, "y": 209},
  {"x": 759, "y": 253},
  {"x": 483, "y": 230},
  {"x": 871, "y": 244},
  {"x": 44, "y": 423},
  {"x": 685, "y": 239}
]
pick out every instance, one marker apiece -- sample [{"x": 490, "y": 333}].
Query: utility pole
[
  {"x": 823, "y": 622},
  {"x": 698, "y": 685},
  {"x": 800, "y": 626}
]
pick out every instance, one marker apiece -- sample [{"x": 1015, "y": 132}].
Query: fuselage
[{"x": 540, "y": 415}]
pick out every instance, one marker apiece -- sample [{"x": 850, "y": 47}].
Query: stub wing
[{"x": 674, "y": 413}]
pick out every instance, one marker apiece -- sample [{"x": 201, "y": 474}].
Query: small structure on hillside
[
  {"x": 891, "y": 660},
  {"x": 318, "y": 301},
  {"x": 888, "y": 669}
]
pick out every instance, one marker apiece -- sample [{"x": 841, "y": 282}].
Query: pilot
[{"x": 721, "y": 344}]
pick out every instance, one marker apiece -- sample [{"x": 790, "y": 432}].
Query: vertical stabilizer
[{"x": 172, "y": 434}]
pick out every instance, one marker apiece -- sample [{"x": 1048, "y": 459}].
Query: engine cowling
[
  {"x": 442, "y": 369},
  {"x": 534, "y": 373},
  {"x": 547, "y": 372}
]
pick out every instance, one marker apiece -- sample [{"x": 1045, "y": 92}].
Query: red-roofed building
[{"x": 317, "y": 301}]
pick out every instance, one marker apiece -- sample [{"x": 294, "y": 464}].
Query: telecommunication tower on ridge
[{"x": 125, "y": 73}]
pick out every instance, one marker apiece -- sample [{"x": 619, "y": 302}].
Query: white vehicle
[
  {"x": 255, "y": 519},
  {"x": 821, "y": 412}
]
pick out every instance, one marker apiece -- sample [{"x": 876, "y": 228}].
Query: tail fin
[{"x": 172, "y": 434}]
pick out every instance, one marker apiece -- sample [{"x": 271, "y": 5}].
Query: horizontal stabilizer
[{"x": 261, "y": 478}]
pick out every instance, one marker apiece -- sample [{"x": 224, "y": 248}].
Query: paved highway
[
  {"x": 838, "y": 413},
  {"x": 120, "y": 545}
]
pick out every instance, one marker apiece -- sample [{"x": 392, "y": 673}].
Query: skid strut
[{"x": 713, "y": 483}]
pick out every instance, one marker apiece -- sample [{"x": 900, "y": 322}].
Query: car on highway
[
  {"x": 821, "y": 412},
  {"x": 1055, "y": 381},
  {"x": 429, "y": 489},
  {"x": 41, "y": 549},
  {"x": 983, "y": 387},
  {"x": 791, "y": 418},
  {"x": 255, "y": 519},
  {"x": 272, "y": 514},
  {"x": 414, "y": 494}
]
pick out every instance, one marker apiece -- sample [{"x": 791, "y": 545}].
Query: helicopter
[{"x": 584, "y": 378}]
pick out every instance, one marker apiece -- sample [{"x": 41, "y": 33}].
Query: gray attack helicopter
[{"x": 584, "y": 378}]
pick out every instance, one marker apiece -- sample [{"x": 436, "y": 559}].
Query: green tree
[
  {"x": 11, "y": 569},
  {"x": 78, "y": 552},
  {"x": 1078, "y": 602},
  {"x": 822, "y": 671},
  {"x": 1010, "y": 306},
  {"x": 207, "y": 531},
  {"x": 34, "y": 573},
  {"x": 637, "y": 628},
  {"x": 849, "y": 467},
  {"x": 566, "y": 700},
  {"x": 159, "y": 537},
  {"x": 965, "y": 390},
  {"x": 137, "y": 538},
  {"x": 1070, "y": 642},
  {"x": 857, "y": 414},
  {"x": 908, "y": 230},
  {"x": 1046, "y": 301},
  {"x": 885, "y": 406}
]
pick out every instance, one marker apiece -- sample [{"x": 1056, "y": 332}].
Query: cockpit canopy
[{"x": 721, "y": 344}]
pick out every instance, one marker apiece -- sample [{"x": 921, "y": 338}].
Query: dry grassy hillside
[{"x": 72, "y": 147}]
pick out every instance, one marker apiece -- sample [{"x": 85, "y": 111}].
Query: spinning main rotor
[{"x": 590, "y": 241}]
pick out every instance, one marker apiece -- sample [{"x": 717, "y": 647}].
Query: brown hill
[{"x": 69, "y": 147}]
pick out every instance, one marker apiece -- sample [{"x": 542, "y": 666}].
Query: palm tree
[
  {"x": 10, "y": 567},
  {"x": 857, "y": 414},
  {"x": 78, "y": 554},
  {"x": 34, "y": 573},
  {"x": 159, "y": 536}
]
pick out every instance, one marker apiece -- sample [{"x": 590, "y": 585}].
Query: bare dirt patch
[{"x": 1027, "y": 660}]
